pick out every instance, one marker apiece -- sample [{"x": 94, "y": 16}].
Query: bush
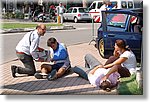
[
  {"x": 19, "y": 15},
  {"x": 9, "y": 15},
  {"x": 129, "y": 86}
]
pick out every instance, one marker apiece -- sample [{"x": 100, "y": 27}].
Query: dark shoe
[
  {"x": 13, "y": 70},
  {"x": 69, "y": 71},
  {"x": 30, "y": 74},
  {"x": 40, "y": 76},
  {"x": 52, "y": 75}
]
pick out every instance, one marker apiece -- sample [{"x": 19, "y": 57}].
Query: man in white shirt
[
  {"x": 60, "y": 11},
  {"x": 26, "y": 51}
]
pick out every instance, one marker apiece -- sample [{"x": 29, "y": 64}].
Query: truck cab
[{"x": 97, "y": 6}]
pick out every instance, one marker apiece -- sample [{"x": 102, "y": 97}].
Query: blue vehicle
[{"x": 126, "y": 24}]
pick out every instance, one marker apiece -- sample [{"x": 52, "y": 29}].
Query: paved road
[{"x": 82, "y": 34}]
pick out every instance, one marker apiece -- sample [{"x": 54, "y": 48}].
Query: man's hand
[
  {"x": 40, "y": 49},
  {"x": 94, "y": 69},
  {"x": 40, "y": 60},
  {"x": 104, "y": 78}
]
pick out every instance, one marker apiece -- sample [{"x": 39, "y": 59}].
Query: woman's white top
[{"x": 130, "y": 63}]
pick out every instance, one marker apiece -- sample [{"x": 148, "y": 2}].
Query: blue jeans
[{"x": 90, "y": 63}]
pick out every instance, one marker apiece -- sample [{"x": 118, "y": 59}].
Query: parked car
[
  {"x": 124, "y": 24},
  {"x": 77, "y": 14}
]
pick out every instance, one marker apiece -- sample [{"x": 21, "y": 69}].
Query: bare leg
[
  {"x": 46, "y": 68},
  {"x": 60, "y": 72}
]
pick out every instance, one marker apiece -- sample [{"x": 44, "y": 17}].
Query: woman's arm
[{"x": 118, "y": 61}]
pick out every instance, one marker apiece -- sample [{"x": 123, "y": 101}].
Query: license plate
[{"x": 85, "y": 14}]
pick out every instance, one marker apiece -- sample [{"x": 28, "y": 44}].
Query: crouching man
[{"x": 58, "y": 64}]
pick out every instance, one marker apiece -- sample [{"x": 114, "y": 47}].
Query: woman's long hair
[{"x": 122, "y": 44}]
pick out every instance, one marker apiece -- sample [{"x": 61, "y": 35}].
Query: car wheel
[
  {"x": 101, "y": 47},
  {"x": 75, "y": 20}
]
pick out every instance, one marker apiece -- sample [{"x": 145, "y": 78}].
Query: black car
[{"x": 126, "y": 24}]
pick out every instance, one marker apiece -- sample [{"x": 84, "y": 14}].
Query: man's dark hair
[
  {"x": 51, "y": 41},
  {"x": 105, "y": 85}
]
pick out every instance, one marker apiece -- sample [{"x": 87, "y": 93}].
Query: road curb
[{"x": 17, "y": 30}]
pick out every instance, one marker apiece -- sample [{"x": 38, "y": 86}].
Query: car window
[
  {"x": 74, "y": 10},
  {"x": 114, "y": 4},
  {"x": 136, "y": 24},
  {"x": 116, "y": 20},
  {"x": 93, "y": 6},
  {"x": 99, "y": 5},
  {"x": 124, "y": 4},
  {"x": 83, "y": 10},
  {"x": 69, "y": 10},
  {"x": 130, "y": 4}
]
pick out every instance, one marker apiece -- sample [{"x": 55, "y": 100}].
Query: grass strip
[{"x": 23, "y": 25}]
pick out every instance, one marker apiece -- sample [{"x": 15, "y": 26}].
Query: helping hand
[
  {"x": 104, "y": 78},
  {"x": 40, "y": 60},
  {"x": 40, "y": 49}
]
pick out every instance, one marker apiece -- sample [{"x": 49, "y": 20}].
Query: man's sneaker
[
  {"x": 13, "y": 70},
  {"x": 69, "y": 71},
  {"x": 40, "y": 76},
  {"x": 52, "y": 75}
]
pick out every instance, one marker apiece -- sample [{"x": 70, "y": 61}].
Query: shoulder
[
  {"x": 126, "y": 54},
  {"x": 35, "y": 33},
  {"x": 62, "y": 45}
]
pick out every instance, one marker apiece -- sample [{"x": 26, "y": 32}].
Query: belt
[{"x": 20, "y": 52}]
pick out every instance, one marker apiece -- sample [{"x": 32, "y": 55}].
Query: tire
[
  {"x": 101, "y": 48},
  {"x": 75, "y": 20}
]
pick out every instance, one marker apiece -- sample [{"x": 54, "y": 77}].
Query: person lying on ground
[{"x": 94, "y": 74}]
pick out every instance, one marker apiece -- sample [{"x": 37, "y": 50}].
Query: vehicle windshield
[
  {"x": 116, "y": 20},
  {"x": 83, "y": 10}
]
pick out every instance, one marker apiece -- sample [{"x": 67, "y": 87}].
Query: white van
[{"x": 97, "y": 6}]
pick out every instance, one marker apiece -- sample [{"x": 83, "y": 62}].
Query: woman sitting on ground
[{"x": 123, "y": 62}]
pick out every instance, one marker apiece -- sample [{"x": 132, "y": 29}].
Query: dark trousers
[
  {"x": 28, "y": 62},
  {"x": 124, "y": 72}
]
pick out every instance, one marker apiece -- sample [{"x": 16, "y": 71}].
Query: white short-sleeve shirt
[{"x": 130, "y": 63}]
